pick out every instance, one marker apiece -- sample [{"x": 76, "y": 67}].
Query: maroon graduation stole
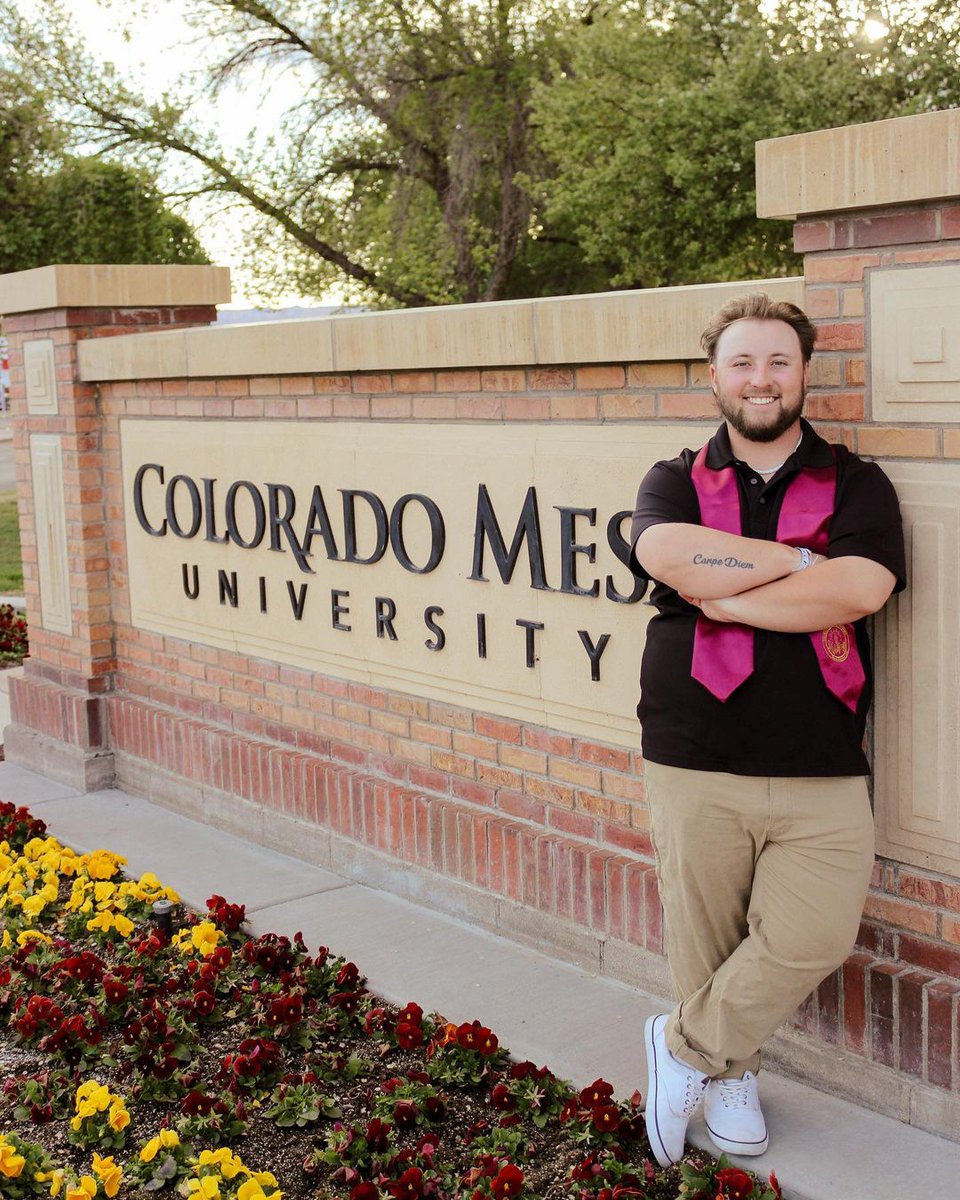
[{"x": 723, "y": 652}]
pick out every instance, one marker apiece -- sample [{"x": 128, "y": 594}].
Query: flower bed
[{"x": 201, "y": 1062}]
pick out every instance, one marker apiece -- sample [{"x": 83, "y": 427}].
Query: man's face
[{"x": 759, "y": 378}]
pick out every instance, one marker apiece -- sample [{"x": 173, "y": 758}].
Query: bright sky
[{"x": 156, "y": 49}]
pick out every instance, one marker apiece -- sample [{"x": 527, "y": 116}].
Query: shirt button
[
  {"x": 763, "y": 499},
  {"x": 754, "y": 480}
]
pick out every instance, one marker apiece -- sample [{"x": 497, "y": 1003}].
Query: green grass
[{"x": 11, "y": 569}]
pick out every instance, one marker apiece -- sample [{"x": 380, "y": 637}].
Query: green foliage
[
  {"x": 446, "y": 151},
  {"x": 11, "y": 566},
  {"x": 653, "y": 118},
  {"x": 60, "y": 208}
]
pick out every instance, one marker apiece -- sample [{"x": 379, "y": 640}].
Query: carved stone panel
[
  {"x": 41, "y": 377},
  {"x": 918, "y": 678},
  {"x": 46, "y": 463},
  {"x": 915, "y": 343}
]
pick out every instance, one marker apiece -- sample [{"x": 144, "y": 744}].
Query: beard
[{"x": 762, "y": 426}]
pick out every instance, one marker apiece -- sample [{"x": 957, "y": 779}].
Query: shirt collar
[{"x": 813, "y": 451}]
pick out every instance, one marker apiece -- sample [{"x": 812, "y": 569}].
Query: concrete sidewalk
[{"x": 579, "y": 1025}]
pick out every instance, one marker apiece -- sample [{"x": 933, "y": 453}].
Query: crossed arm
[{"x": 754, "y": 582}]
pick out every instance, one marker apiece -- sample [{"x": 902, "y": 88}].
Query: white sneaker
[
  {"x": 674, "y": 1092},
  {"x": 732, "y": 1112}
]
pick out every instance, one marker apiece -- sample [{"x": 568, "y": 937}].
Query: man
[{"x": 770, "y": 547}]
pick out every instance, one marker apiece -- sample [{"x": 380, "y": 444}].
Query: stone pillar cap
[
  {"x": 69, "y": 285},
  {"x": 900, "y": 161}
]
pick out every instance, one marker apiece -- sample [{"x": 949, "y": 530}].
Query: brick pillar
[{"x": 58, "y": 706}]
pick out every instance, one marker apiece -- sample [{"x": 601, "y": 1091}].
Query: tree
[
  {"x": 397, "y": 170},
  {"x": 459, "y": 150},
  {"x": 60, "y": 208},
  {"x": 652, "y": 123}
]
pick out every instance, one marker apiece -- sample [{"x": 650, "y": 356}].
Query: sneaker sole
[
  {"x": 650, "y": 1112},
  {"x": 745, "y": 1149}
]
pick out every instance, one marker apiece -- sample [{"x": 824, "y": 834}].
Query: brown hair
[{"x": 759, "y": 307}]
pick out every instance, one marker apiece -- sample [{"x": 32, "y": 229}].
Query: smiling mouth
[{"x": 761, "y": 400}]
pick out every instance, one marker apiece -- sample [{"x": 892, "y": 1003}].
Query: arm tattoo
[{"x": 702, "y": 560}]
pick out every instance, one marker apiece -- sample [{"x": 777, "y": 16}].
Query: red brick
[
  {"x": 599, "y": 378},
  {"x": 805, "y": 1017},
  {"x": 497, "y": 727},
  {"x": 895, "y": 230},
  {"x": 458, "y": 381},
  {"x": 562, "y": 866},
  {"x": 828, "y": 1008},
  {"x": 372, "y": 383},
  {"x": 604, "y": 756},
  {"x": 414, "y": 381},
  {"x": 841, "y": 335},
  {"x": 551, "y": 379},
  {"x": 637, "y": 841},
  {"x": 941, "y": 1001},
  {"x": 526, "y": 408},
  {"x": 580, "y": 884},
  {"x": 839, "y": 268},
  {"x": 901, "y": 913},
  {"x": 811, "y": 235},
  {"x": 529, "y": 857},
  {"x": 881, "y": 977},
  {"x": 516, "y": 804},
  {"x": 512, "y": 865},
  {"x": 597, "y": 881},
  {"x": 928, "y": 890},
  {"x": 573, "y": 823},
  {"x": 616, "y": 909},
  {"x": 473, "y": 793},
  {"x": 653, "y": 920},
  {"x": 834, "y": 406},
  {"x": 551, "y": 743},
  {"x": 855, "y": 1002},
  {"x": 910, "y": 1021},
  {"x": 634, "y": 892},
  {"x": 503, "y": 381},
  {"x": 687, "y": 405},
  {"x": 886, "y": 440},
  {"x": 950, "y": 222}
]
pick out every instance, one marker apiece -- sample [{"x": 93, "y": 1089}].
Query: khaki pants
[{"x": 762, "y": 882}]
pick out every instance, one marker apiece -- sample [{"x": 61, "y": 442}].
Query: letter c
[{"x": 138, "y": 499}]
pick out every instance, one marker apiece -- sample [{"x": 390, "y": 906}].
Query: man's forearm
[
  {"x": 709, "y": 563},
  {"x": 832, "y": 593}
]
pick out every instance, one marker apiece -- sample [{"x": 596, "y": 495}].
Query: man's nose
[{"x": 759, "y": 376}]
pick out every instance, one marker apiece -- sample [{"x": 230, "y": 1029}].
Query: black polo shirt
[{"x": 782, "y": 720}]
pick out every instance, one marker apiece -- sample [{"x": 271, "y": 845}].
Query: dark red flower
[
  {"x": 734, "y": 1183},
  {"x": 377, "y": 1134},
  {"x": 348, "y": 976},
  {"x": 509, "y": 1182},
  {"x": 409, "y": 1036},
  {"x": 605, "y": 1118},
  {"x": 412, "y": 1014},
  {"x": 502, "y": 1099},
  {"x": 409, "y": 1185},
  {"x": 405, "y": 1114},
  {"x": 196, "y": 1104},
  {"x": 599, "y": 1092},
  {"x": 114, "y": 990},
  {"x": 365, "y": 1191},
  {"x": 774, "y": 1182},
  {"x": 204, "y": 1004}
]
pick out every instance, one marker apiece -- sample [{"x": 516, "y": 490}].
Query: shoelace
[{"x": 734, "y": 1092}]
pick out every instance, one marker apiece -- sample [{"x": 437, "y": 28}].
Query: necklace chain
[{"x": 773, "y": 470}]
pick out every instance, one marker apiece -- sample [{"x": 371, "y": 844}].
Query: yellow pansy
[
  {"x": 110, "y": 1173},
  {"x": 35, "y": 905},
  {"x": 101, "y": 864},
  {"x": 119, "y": 1118},
  {"x": 207, "y": 1188},
  {"x": 86, "y": 1189},
  {"x": 102, "y": 921},
  {"x": 253, "y": 1190},
  {"x": 31, "y": 935},
  {"x": 103, "y": 891},
  {"x": 165, "y": 1139},
  {"x": 204, "y": 937},
  {"x": 123, "y": 925},
  {"x": 11, "y": 1163},
  {"x": 54, "y": 1178}
]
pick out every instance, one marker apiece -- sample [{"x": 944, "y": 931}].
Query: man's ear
[{"x": 713, "y": 378}]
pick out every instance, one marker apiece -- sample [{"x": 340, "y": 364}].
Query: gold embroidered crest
[{"x": 836, "y": 642}]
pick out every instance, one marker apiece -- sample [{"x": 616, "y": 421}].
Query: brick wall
[{"x": 552, "y": 824}]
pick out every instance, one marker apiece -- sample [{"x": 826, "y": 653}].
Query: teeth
[{"x": 761, "y": 399}]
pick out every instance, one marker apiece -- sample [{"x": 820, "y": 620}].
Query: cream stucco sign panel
[{"x": 405, "y": 555}]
